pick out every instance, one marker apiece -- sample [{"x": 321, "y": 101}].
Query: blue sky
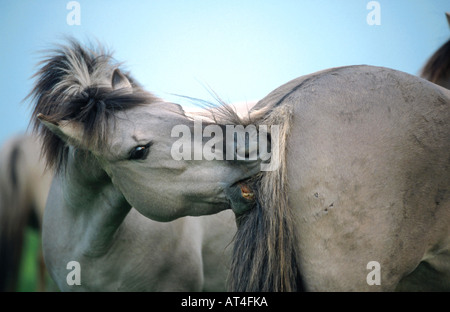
[{"x": 241, "y": 49}]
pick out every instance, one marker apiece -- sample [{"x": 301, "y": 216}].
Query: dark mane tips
[
  {"x": 438, "y": 66},
  {"x": 75, "y": 83}
]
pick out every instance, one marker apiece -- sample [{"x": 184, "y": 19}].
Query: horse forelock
[{"x": 74, "y": 83}]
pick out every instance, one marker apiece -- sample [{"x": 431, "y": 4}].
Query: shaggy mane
[{"x": 74, "y": 83}]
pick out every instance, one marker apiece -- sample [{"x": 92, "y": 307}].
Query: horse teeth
[
  {"x": 246, "y": 191},
  {"x": 248, "y": 195}
]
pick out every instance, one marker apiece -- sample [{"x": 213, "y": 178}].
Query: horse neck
[{"x": 95, "y": 207}]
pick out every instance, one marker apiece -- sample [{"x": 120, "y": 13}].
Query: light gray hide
[{"x": 368, "y": 171}]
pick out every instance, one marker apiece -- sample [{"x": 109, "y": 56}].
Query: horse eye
[{"x": 140, "y": 152}]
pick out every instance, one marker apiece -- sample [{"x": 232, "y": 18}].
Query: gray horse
[
  {"x": 108, "y": 142},
  {"x": 361, "y": 201}
]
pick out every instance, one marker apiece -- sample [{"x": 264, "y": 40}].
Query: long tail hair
[
  {"x": 265, "y": 256},
  {"x": 15, "y": 212}
]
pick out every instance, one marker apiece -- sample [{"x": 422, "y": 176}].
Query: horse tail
[
  {"x": 14, "y": 213},
  {"x": 265, "y": 256}
]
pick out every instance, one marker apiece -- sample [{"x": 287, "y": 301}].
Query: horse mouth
[
  {"x": 241, "y": 196},
  {"x": 246, "y": 191}
]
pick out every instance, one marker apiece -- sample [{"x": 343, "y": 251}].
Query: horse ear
[
  {"x": 448, "y": 17},
  {"x": 119, "y": 80},
  {"x": 69, "y": 131}
]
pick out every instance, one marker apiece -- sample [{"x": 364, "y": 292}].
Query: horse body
[{"x": 368, "y": 178}]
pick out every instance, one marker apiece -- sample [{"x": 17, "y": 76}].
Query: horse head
[{"x": 86, "y": 105}]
